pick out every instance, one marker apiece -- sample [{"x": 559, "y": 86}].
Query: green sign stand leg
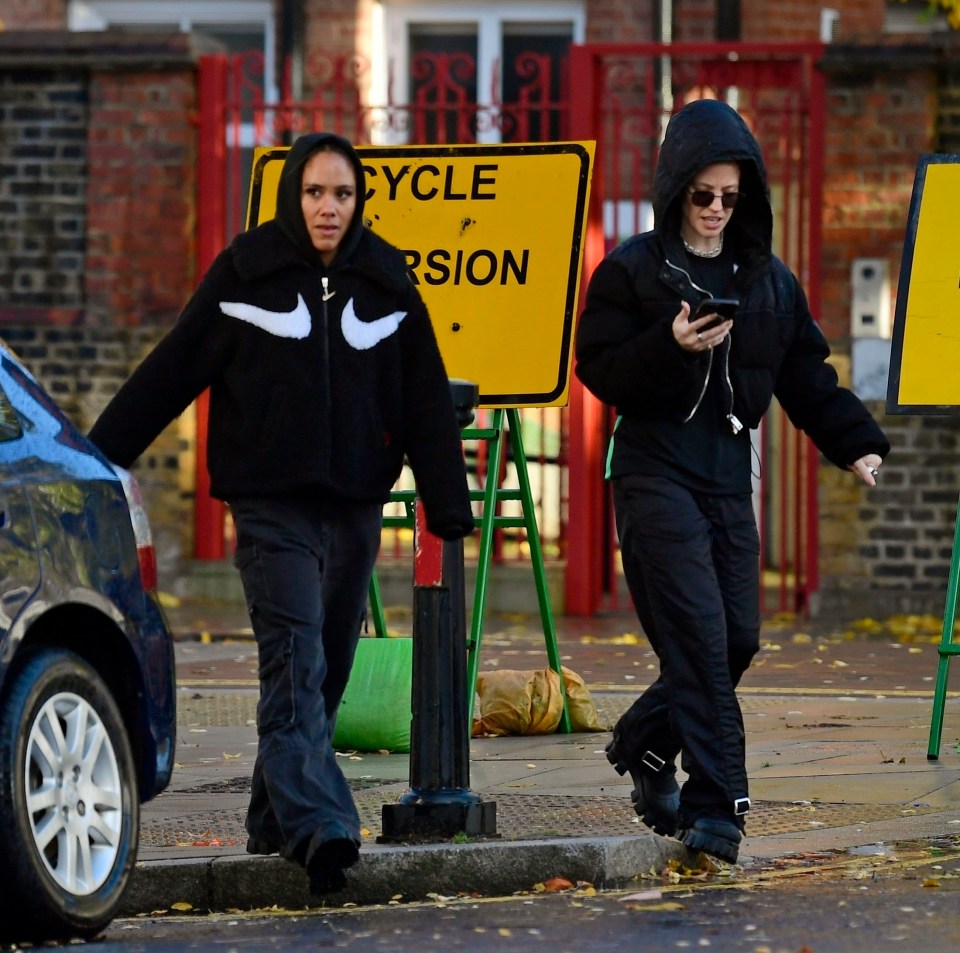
[
  {"x": 491, "y": 496},
  {"x": 376, "y": 608},
  {"x": 947, "y": 648}
]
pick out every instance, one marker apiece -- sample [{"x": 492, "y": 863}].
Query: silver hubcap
[{"x": 74, "y": 794}]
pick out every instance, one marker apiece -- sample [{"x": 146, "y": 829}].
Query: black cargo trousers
[
  {"x": 305, "y": 568},
  {"x": 691, "y": 562}
]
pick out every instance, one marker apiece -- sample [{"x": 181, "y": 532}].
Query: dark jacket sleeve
[
  {"x": 432, "y": 439},
  {"x": 173, "y": 374},
  {"x": 809, "y": 391},
  {"x": 629, "y": 358}
]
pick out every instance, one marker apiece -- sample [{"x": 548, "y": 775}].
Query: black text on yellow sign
[
  {"x": 493, "y": 240},
  {"x": 925, "y": 352}
]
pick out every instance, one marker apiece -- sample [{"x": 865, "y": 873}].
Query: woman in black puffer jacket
[{"x": 687, "y": 390}]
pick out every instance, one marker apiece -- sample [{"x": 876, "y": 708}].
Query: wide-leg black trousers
[{"x": 691, "y": 562}]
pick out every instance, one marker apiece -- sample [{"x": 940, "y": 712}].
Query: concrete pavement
[{"x": 837, "y": 718}]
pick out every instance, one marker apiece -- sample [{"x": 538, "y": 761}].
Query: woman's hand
[
  {"x": 866, "y": 468},
  {"x": 692, "y": 336}
]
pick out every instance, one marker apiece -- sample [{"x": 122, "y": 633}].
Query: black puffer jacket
[
  {"x": 321, "y": 378},
  {"x": 626, "y": 353}
]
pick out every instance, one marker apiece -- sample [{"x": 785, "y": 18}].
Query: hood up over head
[
  {"x": 704, "y": 132},
  {"x": 289, "y": 214}
]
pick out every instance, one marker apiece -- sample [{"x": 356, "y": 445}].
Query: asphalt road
[{"x": 893, "y": 898}]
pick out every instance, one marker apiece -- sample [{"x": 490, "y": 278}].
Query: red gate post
[
  {"x": 212, "y": 142},
  {"x": 583, "y": 581}
]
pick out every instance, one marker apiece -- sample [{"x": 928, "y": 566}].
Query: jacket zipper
[
  {"x": 735, "y": 425},
  {"x": 325, "y": 360}
]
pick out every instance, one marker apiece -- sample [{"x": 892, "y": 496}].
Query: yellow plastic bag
[
  {"x": 512, "y": 702},
  {"x": 580, "y": 704}
]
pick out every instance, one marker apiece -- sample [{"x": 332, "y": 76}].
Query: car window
[{"x": 9, "y": 422}]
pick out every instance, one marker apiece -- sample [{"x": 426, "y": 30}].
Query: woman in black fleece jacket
[
  {"x": 687, "y": 390},
  {"x": 324, "y": 374}
]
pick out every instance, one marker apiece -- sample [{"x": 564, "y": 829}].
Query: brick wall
[
  {"x": 42, "y": 192},
  {"x": 142, "y": 187},
  {"x": 620, "y": 21},
  {"x": 33, "y": 14},
  {"x": 799, "y": 20},
  {"x": 695, "y": 21},
  {"x": 888, "y": 549},
  {"x": 948, "y": 111},
  {"x": 878, "y": 123},
  {"x": 332, "y": 29}
]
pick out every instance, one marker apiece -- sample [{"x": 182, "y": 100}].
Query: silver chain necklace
[{"x": 704, "y": 254}]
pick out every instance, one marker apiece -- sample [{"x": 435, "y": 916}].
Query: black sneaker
[
  {"x": 715, "y": 836},
  {"x": 256, "y": 845},
  {"x": 656, "y": 794},
  {"x": 326, "y": 865}
]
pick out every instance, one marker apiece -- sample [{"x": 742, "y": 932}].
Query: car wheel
[{"x": 68, "y": 800}]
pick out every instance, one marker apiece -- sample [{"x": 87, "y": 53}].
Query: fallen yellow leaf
[{"x": 669, "y": 905}]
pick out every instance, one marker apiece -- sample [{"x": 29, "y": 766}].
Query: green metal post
[
  {"x": 536, "y": 558},
  {"x": 376, "y": 607},
  {"x": 947, "y": 648},
  {"x": 487, "y": 521}
]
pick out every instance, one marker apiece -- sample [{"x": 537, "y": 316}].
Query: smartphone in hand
[{"x": 724, "y": 307}]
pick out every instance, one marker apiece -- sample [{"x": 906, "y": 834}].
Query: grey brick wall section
[
  {"x": 43, "y": 157},
  {"x": 902, "y": 531}
]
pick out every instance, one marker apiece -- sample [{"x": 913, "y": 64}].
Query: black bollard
[{"x": 439, "y": 803}]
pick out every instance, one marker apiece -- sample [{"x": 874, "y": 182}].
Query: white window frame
[
  {"x": 392, "y": 20},
  {"x": 94, "y": 15}
]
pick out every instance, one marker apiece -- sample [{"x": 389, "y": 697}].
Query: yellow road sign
[
  {"x": 925, "y": 352},
  {"x": 493, "y": 239}
]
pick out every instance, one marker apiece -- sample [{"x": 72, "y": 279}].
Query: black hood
[
  {"x": 702, "y": 133},
  {"x": 289, "y": 215}
]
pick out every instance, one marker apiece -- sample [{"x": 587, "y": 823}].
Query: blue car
[{"x": 87, "y": 694}]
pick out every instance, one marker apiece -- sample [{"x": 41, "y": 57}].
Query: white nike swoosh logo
[
  {"x": 283, "y": 324},
  {"x": 363, "y": 335}
]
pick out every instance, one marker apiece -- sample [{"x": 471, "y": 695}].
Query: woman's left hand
[{"x": 866, "y": 468}]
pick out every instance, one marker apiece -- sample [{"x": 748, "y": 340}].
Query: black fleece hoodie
[{"x": 321, "y": 378}]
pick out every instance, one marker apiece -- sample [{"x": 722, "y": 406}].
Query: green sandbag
[{"x": 375, "y": 712}]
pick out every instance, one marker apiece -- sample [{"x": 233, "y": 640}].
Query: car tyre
[{"x": 68, "y": 800}]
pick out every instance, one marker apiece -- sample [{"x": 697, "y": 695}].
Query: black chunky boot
[
  {"x": 717, "y": 835},
  {"x": 656, "y": 794}
]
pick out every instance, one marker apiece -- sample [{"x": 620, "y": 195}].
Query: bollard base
[{"x": 438, "y": 820}]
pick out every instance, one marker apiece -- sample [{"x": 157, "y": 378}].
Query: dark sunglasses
[{"x": 704, "y": 199}]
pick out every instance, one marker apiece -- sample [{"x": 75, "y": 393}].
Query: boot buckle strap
[
  {"x": 652, "y": 761},
  {"x": 741, "y": 806}
]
